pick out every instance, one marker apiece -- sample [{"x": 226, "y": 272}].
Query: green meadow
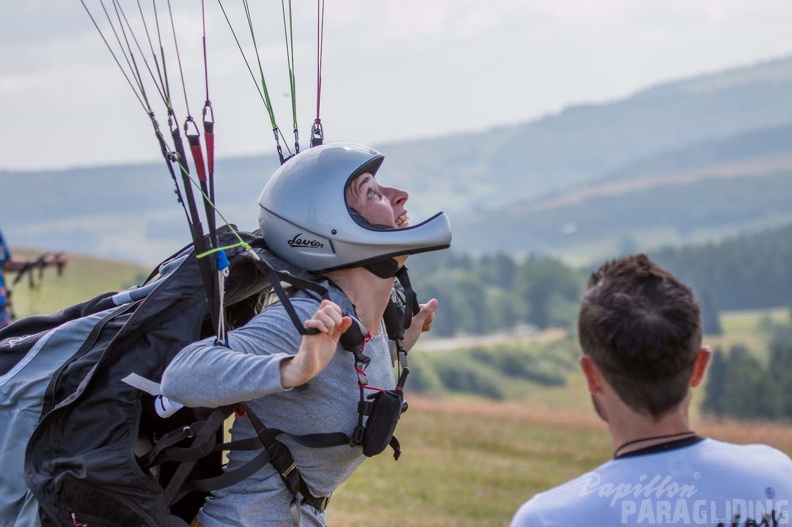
[
  {"x": 83, "y": 277},
  {"x": 467, "y": 460},
  {"x": 472, "y": 461}
]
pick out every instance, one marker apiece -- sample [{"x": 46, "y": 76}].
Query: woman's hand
[
  {"x": 421, "y": 323},
  {"x": 316, "y": 351}
]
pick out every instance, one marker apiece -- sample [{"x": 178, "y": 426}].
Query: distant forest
[
  {"x": 749, "y": 271},
  {"x": 736, "y": 373},
  {"x": 480, "y": 295}
]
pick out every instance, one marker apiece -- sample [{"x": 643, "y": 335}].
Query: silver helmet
[{"x": 305, "y": 219}]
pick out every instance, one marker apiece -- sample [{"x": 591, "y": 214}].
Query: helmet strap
[{"x": 386, "y": 268}]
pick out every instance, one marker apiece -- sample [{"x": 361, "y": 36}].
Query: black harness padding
[
  {"x": 353, "y": 338},
  {"x": 84, "y": 456},
  {"x": 410, "y": 298},
  {"x": 204, "y": 441},
  {"x": 282, "y": 460},
  {"x": 275, "y": 277},
  {"x": 381, "y": 409}
]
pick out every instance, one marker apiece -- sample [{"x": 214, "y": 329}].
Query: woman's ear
[{"x": 700, "y": 366}]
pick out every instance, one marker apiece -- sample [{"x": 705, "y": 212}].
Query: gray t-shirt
[{"x": 204, "y": 374}]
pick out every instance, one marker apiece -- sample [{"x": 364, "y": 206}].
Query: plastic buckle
[
  {"x": 357, "y": 436},
  {"x": 364, "y": 407},
  {"x": 362, "y": 377},
  {"x": 402, "y": 354},
  {"x": 362, "y": 360}
]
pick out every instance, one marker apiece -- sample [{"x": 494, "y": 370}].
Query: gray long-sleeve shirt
[{"x": 204, "y": 374}]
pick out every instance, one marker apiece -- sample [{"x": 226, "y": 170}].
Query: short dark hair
[{"x": 642, "y": 327}]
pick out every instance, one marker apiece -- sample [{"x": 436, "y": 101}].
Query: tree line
[
  {"x": 741, "y": 386},
  {"x": 498, "y": 292},
  {"x": 749, "y": 271}
]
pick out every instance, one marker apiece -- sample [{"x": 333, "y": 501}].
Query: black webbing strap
[
  {"x": 321, "y": 440},
  {"x": 157, "y": 454},
  {"x": 387, "y": 268},
  {"x": 275, "y": 277},
  {"x": 274, "y": 452},
  {"x": 393, "y": 317},
  {"x": 394, "y": 444},
  {"x": 411, "y": 299},
  {"x": 205, "y": 440},
  {"x": 405, "y": 295},
  {"x": 205, "y": 436},
  {"x": 227, "y": 478},
  {"x": 283, "y": 462},
  {"x": 253, "y": 443},
  {"x": 319, "y": 504},
  {"x": 309, "y": 440}
]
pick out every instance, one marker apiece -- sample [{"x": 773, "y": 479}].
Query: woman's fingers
[
  {"x": 327, "y": 317},
  {"x": 341, "y": 328}
]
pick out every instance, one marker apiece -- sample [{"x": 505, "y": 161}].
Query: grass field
[
  {"x": 466, "y": 462},
  {"x": 82, "y": 278},
  {"x": 470, "y": 463},
  {"x": 748, "y": 328},
  {"x": 749, "y": 323}
]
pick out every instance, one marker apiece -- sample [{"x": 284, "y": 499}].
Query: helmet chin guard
[{"x": 305, "y": 220}]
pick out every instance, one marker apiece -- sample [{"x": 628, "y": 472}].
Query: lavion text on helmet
[{"x": 302, "y": 242}]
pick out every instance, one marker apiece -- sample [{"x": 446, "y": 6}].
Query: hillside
[
  {"x": 698, "y": 193},
  {"x": 484, "y": 171},
  {"x": 130, "y": 212}
]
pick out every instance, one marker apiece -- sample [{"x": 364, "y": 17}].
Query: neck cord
[{"x": 651, "y": 438}]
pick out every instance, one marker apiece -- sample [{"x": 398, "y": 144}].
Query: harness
[{"x": 378, "y": 414}]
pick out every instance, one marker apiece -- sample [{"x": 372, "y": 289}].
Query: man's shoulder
[
  {"x": 751, "y": 456},
  {"x": 574, "y": 500},
  {"x": 710, "y": 469}
]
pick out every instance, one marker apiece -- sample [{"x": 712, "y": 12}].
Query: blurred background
[{"x": 556, "y": 135}]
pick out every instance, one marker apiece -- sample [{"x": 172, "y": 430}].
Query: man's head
[{"x": 642, "y": 329}]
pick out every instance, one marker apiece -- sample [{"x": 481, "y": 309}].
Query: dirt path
[{"x": 778, "y": 434}]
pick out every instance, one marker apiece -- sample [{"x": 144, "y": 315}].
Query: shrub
[
  {"x": 460, "y": 373},
  {"x": 423, "y": 376}
]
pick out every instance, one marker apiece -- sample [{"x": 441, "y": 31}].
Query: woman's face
[{"x": 379, "y": 205}]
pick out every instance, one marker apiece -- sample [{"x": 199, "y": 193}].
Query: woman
[{"x": 324, "y": 211}]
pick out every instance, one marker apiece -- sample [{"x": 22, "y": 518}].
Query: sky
[{"x": 392, "y": 70}]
